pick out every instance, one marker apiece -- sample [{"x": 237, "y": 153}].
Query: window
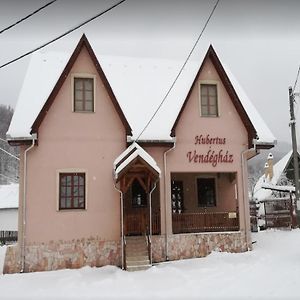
[
  {"x": 139, "y": 195},
  {"x": 71, "y": 191},
  {"x": 209, "y": 100},
  {"x": 177, "y": 196},
  {"x": 83, "y": 94},
  {"x": 206, "y": 188}
]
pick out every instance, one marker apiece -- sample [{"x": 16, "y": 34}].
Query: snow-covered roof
[
  {"x": 9, "y": 196},
  {"x": 139, "y": 84},
  {"x": 260, "y": 193},
  {"x": 127, "y": 156}
]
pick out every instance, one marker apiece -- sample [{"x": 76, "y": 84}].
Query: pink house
[{"x": 100, "y": 187}]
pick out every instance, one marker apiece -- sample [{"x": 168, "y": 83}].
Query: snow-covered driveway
[{"x": 270, "y": 271}]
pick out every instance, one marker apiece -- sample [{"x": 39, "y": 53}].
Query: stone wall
[
  {"x": 64, "y": 254},
  {"x": 191, "y": 245},
  {"x": 96, "y": 252}
]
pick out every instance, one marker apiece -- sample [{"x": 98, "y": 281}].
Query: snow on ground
[
  {"x": 9, "y": 196},
  {"x": 270, "y": 271}
]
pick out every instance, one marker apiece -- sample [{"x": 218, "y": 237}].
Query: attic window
[
  {"x": 83, "y": 94},
  {"x": 209, "y": 100}
]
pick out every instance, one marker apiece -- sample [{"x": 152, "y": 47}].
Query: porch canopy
[{"x": 135, "y": 164}]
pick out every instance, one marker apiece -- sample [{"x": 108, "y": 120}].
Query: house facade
[{"x": 91, "y": 178}]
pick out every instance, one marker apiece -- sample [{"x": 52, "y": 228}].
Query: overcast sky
[{"x": 258, "y": 40}]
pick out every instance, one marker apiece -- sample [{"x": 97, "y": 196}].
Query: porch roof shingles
[{"x": 139, "y": 85}]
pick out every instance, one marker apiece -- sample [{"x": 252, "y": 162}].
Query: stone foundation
[
  {"x": 95, "y": 252},
  {"x": 193, "y": 245},
  {"x": 64, "y": 254}
]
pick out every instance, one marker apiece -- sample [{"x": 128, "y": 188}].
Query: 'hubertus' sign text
[{"x": 212, "y": 156}]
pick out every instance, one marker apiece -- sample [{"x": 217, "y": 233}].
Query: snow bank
[
  {"x": 9, "y": 196},
  {"x": 270, "y": 271}
]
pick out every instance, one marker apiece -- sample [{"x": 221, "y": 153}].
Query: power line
[
  {"x": 296, "y": 79},
  {"x": 180, "y": 71},
  {"x": 9, "y": 178},
  {"x": 10, "y": 154},
  {"x": 28, "y": 16},
  {"x": 62, "y": 35}
]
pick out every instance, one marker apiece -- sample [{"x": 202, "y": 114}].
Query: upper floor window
[
  {"x": 83, "y": 94},
  {"x": 209, "y": 100},
  {"x": 72, "y": 191}
]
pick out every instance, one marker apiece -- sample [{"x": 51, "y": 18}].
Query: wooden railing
[
  {"x": 8, "y": 236},
  {"x": 205, "y": 222},
  {"x": 137, "y": 223}
]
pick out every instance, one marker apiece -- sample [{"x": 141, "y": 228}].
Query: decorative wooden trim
[
  {"x": 211, "y": 54},
  {"x": 82, "y": 43}
]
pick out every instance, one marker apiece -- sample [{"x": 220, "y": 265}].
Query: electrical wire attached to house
[
  {"x": 28, "y": 16},
  {"x": 180, "y": 71},
  {"x": 63, "y": 35}
]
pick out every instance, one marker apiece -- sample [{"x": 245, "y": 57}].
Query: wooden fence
[
  {"x": 278, "y": 212},
  {"x": 8, "y": 237},
  {"x": 205, "y": 222}
]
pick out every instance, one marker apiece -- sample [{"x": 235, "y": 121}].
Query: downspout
[
  {"x": 243, "y": 153},
  {"x": 24, "y": 203},
  {"x": 165, "y": 188},
  {"x": 150, "y": 222},
  {"x": 122, "y": 225}
]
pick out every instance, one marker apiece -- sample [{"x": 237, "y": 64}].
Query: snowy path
[{"x": 271, "y": 271}]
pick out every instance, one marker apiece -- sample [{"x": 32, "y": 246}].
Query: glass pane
[
  {"x": 63, "y": 191},
  {"x": 76, "y": 179},
  {"x": 204, "y": 110},
  {"x": 81, "y": 191},
  {"x": 68, "y": 202},
  {"x": 75, "y": 204},
  {"x": 88, "y": 95},
  {"x": 62, "y": 202},
  {"x": 75, "y": 191},
  {"x": 78, "y": 106},
  {"x": 81, "y": 179},
  {"x": 89, "y": 106},
  {"x": 78, "y": 95},
  {"x": 69, "y": 191},
  {"x": 62, "y": 180},
  {"x": 68, "y": 180},
  {"x": 204, "y": 91},
  {"x": 204, "y": 100},
  {"x": 81, "y": 202},
  {"x": 88, "y": 85},
  {"x": 212, "y": 110},
  {"x": 78, "y": 84},
  {"x": 212, "y": 90}
]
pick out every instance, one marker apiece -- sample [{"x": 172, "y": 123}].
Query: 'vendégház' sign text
[{"x": 212, "y": 156}]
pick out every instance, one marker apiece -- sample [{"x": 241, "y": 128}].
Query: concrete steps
[{"x": 137, "y": 256}]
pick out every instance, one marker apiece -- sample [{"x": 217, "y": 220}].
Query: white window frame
[
  {"x": 82, "y": 75},
  {"x": 211, "y": 82}
]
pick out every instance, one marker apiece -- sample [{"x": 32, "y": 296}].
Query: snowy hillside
[{"x": 270, "y": 271}]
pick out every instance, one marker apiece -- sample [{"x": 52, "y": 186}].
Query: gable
[
  {"x": 212, "y": 57},
  {"x": 83, "y": 44}
]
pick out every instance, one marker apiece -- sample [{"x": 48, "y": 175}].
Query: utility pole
[{"x": 295, "y": 151}]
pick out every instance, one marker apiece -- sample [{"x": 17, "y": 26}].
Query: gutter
[
  {"x": 122, "y": 225},
  {"x": 165, "y": 190},
  {"x": 243, "y": 154},
  {"x": 33, "y": 138}
]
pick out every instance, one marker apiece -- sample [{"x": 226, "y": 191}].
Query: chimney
[
  {"x": 266, "y": 170},
  {"x": 270, "y": 166}
]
